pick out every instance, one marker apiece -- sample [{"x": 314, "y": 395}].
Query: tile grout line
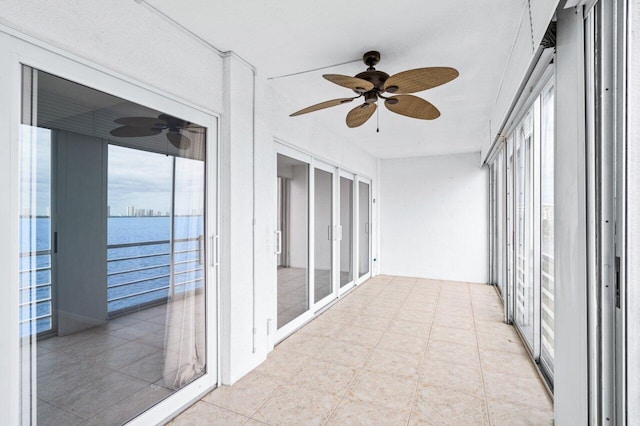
[
  {"x": 475, "y": 332},
  {"x": 357, "y": 375},
  {"x": 423, "y": 361}
]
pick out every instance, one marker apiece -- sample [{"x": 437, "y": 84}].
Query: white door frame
[
  {"x": 335, "y": 281},
  {"x": 352, "y": 177},
  {"x": 296, "y": 323},
  {"x": 365, "y": 277},
  {"x": 16, "y": 50}
]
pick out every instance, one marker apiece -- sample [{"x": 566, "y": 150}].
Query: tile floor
[
  {"x": 105, "y": 375},
  {"x": 395, "y": 351}
]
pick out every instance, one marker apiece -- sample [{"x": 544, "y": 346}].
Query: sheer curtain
[{"x": 185, "y": 354}]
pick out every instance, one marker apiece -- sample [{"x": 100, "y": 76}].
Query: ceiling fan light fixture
[{"x": 372, "y": 84}]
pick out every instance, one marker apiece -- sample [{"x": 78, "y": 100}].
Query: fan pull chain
[{"x": 377, "y": 120}]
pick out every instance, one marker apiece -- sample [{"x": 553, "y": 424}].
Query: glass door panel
[
  {"x": 346, "y": 231},
  {"x": 547, "y": 275},
  {"x": 323, "y": 234},
  {"x": 524, "y": 291},
  {"x": 293, "y": 239},
  {"x": 364, "y": 235},
  {"x": 109, "y": 285}
]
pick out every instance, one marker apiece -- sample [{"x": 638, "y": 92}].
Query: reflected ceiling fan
[
  {"x": 134, "y": 127},
  {"x": 371, "y": 84}
]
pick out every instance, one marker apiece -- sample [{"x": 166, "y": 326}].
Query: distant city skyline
[{"x": 138, "y": 179}]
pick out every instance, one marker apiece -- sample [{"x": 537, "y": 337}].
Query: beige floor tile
[
  {"x": 371, "y": 321},
  {"x": 395, "y": 363},
  {"x": 245, "y": 396},
  {"x": 447, "y": 320},
  {"x": 410, "y": 328},
  {"x": 297, "y": 405},
  {"x": 282, "y": 365},
  {"x": 420, "y": 306},
  {"x": 403, "y": 343},
  {"x": 453, "y": 353},
  {"x": 321, "y": 327},
  {"x": 459, "y": 377},
  {"x": 355, "y": 412},
  {"x": 448, "y": 407},
  {"x": 204, "y": 414},
  {"x": 496, "y": 327},
  {"x": 345, "y": 353},
  {"x": 518, "y": 389},
  {"x": 453, "y": 335},
  {"x": 506, "y": 363},
  {"x": 304, "y": 344},
  {"x": 360, "y": 335},
  {"x": 391, "y": 391},
  {"x": 501, "y": 342},
  {"x": 416, "y": 316},
  {"x": 324, "y": 376},
  {"x": 502, "y": 413}
]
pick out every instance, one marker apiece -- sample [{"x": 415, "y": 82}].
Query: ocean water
[{"x": 136, "y": 274}]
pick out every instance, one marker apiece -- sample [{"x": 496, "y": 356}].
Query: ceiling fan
[
  {"x": 133, "y": 127},
  {"x": 371, "y": 84}
]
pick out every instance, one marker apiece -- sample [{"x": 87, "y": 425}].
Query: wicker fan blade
[
  {"x": 353, "y": 83},
  {"x": 134, "y": 132},
  {"x": 322, "y": 105},
  {"x": 147, "y": 122},
  {"x": 419, "y": 79},
  {"x": 412, "y": 106},
  {"x": 179, "y": 140},
  {"x": 360, "y": 114}
]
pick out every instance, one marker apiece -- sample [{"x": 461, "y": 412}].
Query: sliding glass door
[
  {"x": 292, "y": 238},
  {"x": 524, "y": 178},
  {"x": 364, "y": 229},
  {"x": 346, "y": 231},
  {"x": 114, "y": 284},
  {"x": 324, "y": 233}
]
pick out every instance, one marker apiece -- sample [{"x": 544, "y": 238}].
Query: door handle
[
  {"x": 215, "y": 246},
  {"x": 278, "y": 242},
  {"x": 329, "y": 232}
]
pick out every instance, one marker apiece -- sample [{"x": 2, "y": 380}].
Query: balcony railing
[
  {"x": 139, "y": 274},
  {"x": 35, "y": 292}
]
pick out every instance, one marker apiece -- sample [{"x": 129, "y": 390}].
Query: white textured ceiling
[{"x": 287, "y": 36}]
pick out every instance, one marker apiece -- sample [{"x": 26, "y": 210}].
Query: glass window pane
[
  {"x": 363, "y": 228},
  {"x": 323, "y": 209},
  {"x": 116, "y": 191},
  {"x": 293, "y": 229},
  {"x": 547, "y": 231},
  {"x": 346, "y": 234},
  {"x": 524, "y": 291}
]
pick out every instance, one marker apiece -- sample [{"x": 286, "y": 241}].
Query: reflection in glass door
[
  {"x": 346, "y": 231},
  {"x": 121, "y": 187},
  {"x": 293, "y": 239},
  {"x": 364, "y": 235},
  {"x": 524, "y": 294},
  {"x": 323, "y": 234},
  {"x": 547, "y": 275}
]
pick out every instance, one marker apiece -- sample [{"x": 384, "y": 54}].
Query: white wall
[
  {"x": 130, "y": 39},
  {"x": 434, "y": 221}
]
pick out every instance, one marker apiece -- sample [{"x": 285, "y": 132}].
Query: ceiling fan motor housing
[{"x": 377, "y": 78}]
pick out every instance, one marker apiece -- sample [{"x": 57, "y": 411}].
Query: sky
[{"x": 135, "y": 178}]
